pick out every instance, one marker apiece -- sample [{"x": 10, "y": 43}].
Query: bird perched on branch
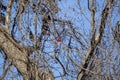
[{"x": 58, "y": 39}]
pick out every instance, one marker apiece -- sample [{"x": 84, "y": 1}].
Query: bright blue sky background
[{"x": 81, "y": 17}]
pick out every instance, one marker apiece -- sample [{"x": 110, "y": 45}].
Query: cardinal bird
[{"x": 58, "y": 39}]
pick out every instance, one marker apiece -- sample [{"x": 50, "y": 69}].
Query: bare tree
[{"x": 42, "y": 40}]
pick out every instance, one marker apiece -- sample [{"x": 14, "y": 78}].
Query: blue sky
[{"x": 81, "y": 17}]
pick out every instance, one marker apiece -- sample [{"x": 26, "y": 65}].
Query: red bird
[{"x": 58, "y": 39}]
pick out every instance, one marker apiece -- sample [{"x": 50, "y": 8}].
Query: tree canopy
[{"x": 60, "y": 39}]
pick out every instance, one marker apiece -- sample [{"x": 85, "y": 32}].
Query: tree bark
[
  {"x": 97, "y": 40},
  {"x": 18, "y": 55}
]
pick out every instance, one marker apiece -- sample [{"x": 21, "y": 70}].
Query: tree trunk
[{"x": 18, "y": 55}]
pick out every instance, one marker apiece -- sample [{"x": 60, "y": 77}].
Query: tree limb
[
  {"x": 18, "y": 55},
  {"x": 97, "y": 39},
  {"x": 8, "y": 15}
]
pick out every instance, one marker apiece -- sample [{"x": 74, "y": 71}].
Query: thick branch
[
  {"x": 18, "y": 55},
  {"x": 97, "y": 40},
  {"x": 8, "y": 14},
  {"x": 15, "y": 53}
]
